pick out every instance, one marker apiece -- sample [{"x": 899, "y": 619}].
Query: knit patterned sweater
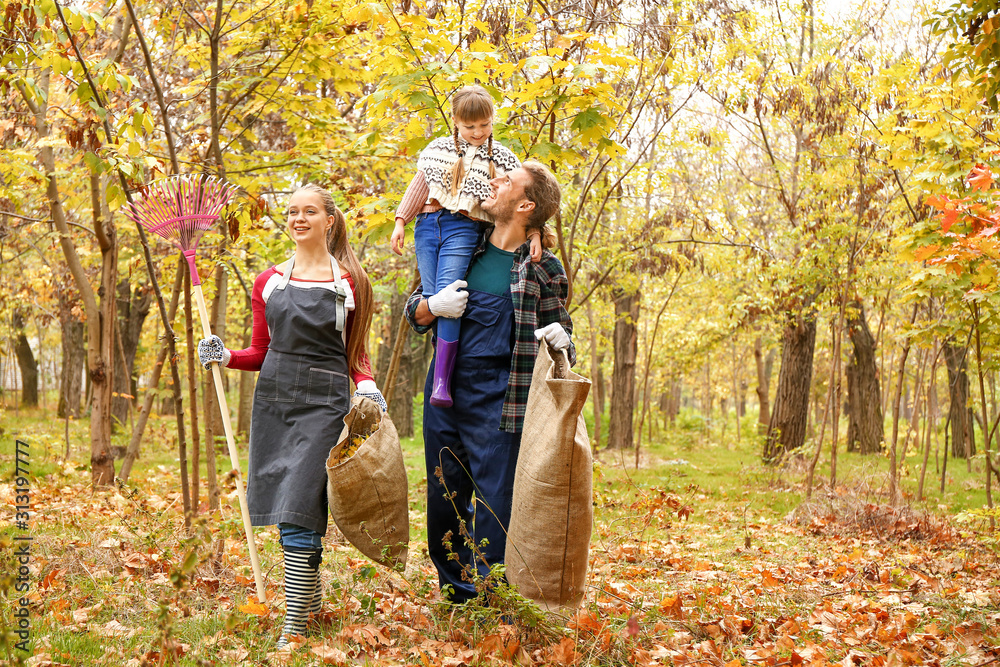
[{"x": 436, "y": 162}]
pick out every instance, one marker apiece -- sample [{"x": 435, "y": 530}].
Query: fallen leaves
[
  {"x": 563, "y": 653},
  {"x": 810, "y": 594},
  {"x": 84, "y": 614},
  {"x": 254, "y": 608},
  {"x": 671, "y": 607},
  {"x": 330, "y": 655},
  {"x": 505, "y": 645}
]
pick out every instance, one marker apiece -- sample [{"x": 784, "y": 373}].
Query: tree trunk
[
  {"x": 623, "y": 377},
  {"x": 987, "y": 435},
  {"x": 154, "y": 382},
  {"x": 74, "y": 356},
  {"x": 931, "y": 421},
  {"x": 787, "y": 429},
  {"x": 901, "y": 374},
  {"x": 706, "y": 390},
  {"x": 101, "y": 368},
  {"x": 963, "y": 443},
  {"x": 671, "y": 400},
  {"x": 919, "y": 405},
  {"x": 98, "y": 316},
  {"x": 600, "y": 395},
  {"x": 26, "y": 362},
  {"x": 401, "y": 405},
  {"x": 905, "y": 408},
  {"x": 133, "y": 307},
  {"x": 597, "y": 391},
  {"x": 866, "y": 426},
  {"x": 763, "y": 379}
]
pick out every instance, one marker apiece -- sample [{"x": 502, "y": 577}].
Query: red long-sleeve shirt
[{"x": 251, "y": 358}]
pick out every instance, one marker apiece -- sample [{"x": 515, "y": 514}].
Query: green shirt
[{"x": 490, "y": 272}]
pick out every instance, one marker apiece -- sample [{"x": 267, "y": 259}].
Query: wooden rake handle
[{"x": 233, "y": 455}]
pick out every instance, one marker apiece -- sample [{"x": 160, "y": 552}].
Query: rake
[{"x": 180, "y": 209}]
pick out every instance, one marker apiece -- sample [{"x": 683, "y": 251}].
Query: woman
[{"x": 311, "y": 316}]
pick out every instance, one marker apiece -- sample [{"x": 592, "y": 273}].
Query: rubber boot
[
  {"x": 444, "y": 364},
  {"x": 301, "y": 578}
]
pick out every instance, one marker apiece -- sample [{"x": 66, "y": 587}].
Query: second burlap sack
[
  {"x": 548, "y": 543},
  {"x": 367, "y": 491}
]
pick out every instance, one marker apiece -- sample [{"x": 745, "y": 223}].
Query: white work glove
[
  {"x": 449, "y": 302},
  {"x": 369, "y": 389},
  {"x": 554, "y": 335},
  {"x": 211, "y": 350}
]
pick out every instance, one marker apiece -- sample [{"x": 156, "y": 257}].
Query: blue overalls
[{"x": 473, "y": 454}]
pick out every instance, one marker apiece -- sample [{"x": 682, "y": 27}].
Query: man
[{"x": 471, "y": 448}]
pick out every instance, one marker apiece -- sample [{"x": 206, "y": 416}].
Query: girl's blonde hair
[
  {"x": 336, "y": 239},
  {"x": 469, "y": 103}
]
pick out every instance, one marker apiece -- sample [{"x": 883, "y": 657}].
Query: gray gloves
[{"x": 212, "y": 351}]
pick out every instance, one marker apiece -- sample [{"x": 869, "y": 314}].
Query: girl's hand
[
  {"x": 536, "y": 247},
  {"x": 398, "y": 237}
]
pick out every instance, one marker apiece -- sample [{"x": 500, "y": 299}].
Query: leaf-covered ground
[{"x": 688, "y": 567}]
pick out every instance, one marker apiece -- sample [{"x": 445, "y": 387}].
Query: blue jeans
[
  {"x": 444, "y": 243},
  {"x": 297, "y": 537}
]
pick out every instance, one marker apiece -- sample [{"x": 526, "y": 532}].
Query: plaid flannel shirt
[{"x": 539, "y": 292}]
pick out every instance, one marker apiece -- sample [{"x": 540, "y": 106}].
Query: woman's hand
[
  {"x": 369, "y": 389},
  {"x": 398, "y": 237},
  {"x": 212, "y": 351}
]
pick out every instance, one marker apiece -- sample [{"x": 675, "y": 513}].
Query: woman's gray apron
[{"x": 302, "y": 396}]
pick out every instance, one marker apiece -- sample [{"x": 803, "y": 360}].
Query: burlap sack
[
  {"x": 548, "y": 543},
  {"x": 367, "y": 492}
]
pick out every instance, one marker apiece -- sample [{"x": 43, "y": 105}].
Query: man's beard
[{"x": 501, "y": 211}]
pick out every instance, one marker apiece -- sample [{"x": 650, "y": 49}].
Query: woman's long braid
[
  {"x": 457, "y": 171},
  {"x": 493, "y": 171}
]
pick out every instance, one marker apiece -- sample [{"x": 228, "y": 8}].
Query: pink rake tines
[{"x": 180, "y": 209}]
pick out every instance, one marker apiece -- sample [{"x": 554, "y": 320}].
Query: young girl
[
  {"x": 453, "y": 179},
  {"x": 311, "y": 316}
]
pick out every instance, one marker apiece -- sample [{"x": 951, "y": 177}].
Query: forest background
[{"x": 778, "y": 221}]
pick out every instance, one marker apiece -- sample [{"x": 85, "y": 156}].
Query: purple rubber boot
[{"x": 444, "y": 364}]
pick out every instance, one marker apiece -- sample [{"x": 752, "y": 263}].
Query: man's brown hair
[{"x": 542, "y": 188}]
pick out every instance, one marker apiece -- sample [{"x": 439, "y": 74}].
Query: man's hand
[
  {"x": 554, "y": 335},
  {"x": 449, "y": 302}
]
